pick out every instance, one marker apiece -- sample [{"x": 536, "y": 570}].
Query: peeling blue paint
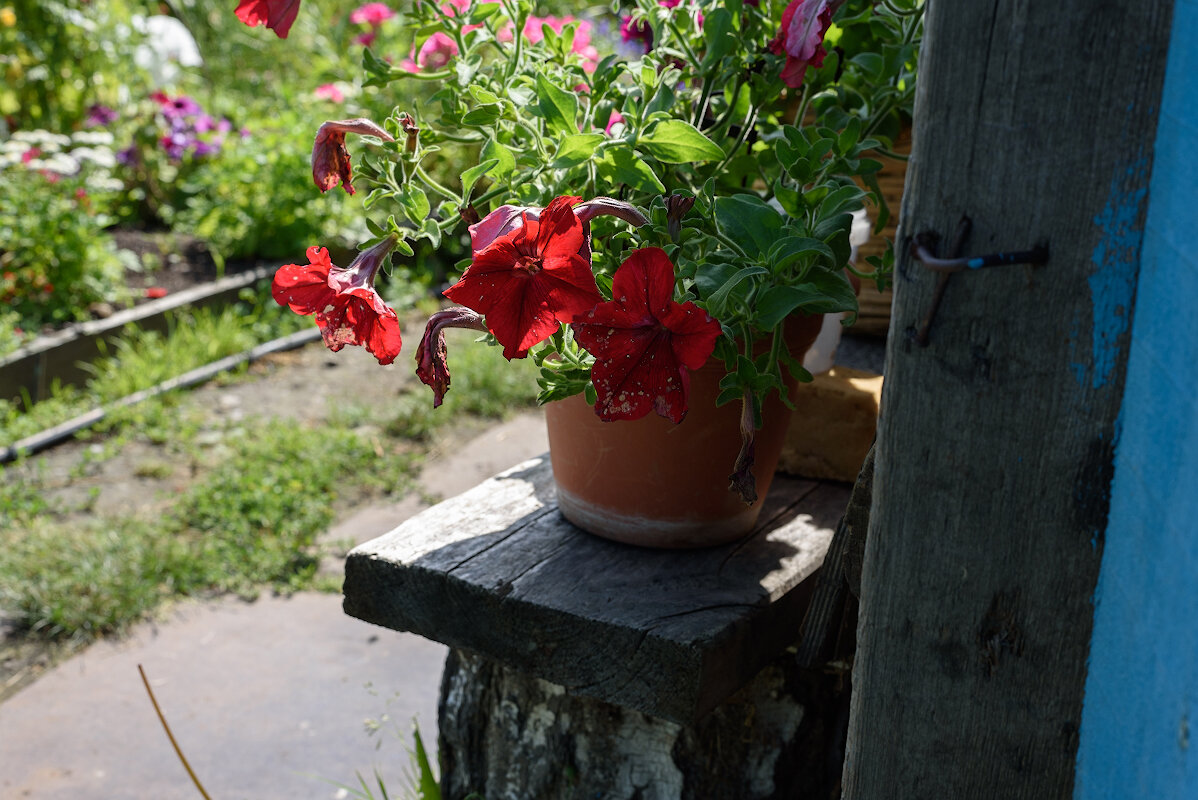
[
  {"x": 1141, "y": 689},
  {"x": 1116, "y": 257}
]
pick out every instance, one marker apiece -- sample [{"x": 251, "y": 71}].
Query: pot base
[{"x": 644, "y": 531}]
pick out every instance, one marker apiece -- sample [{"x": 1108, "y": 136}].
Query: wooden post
[{"x": 996, "y": 443}]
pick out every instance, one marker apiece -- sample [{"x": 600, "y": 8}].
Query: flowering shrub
[
  {"x": 56, "y": 192},
  {"x": 631, "y": 214}
]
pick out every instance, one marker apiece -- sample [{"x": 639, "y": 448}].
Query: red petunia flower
[
  {"x": 801, "y": 38},
  {"x": 278, "y": 15},
  {"x": 531, "y": 277},
  {"x": 330, "y": 158},
  {"x": 643, "y": 342},
  {"x": 348, "y": 309}
]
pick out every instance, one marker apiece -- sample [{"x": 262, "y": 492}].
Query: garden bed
[{"x": 186, "y": 276}]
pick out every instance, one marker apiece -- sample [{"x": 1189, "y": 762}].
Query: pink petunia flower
[
  {"x": 329, "y": 91},
  {"x": 436, "y": 52},
  {"x": 801, "y": 38},
  {"x": 373, "y": 14}
]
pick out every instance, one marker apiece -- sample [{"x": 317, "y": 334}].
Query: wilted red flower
[
  {"x": 533, "y": 274},
  {"x": 348, "y": 309},
  {"x": 330, "y": 158},
  {"x": 801, "y": 38},
  {"x": 278, "y": 15},
  {"x": 644, "y": 342},
  {"x": 506, "y": 219},
  {"x": 432, "y": 368}
]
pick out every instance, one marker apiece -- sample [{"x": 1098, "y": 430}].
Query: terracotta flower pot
[{"x": 653, "y": 483}]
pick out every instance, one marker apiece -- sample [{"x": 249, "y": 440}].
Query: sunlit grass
[
  {"x": 252, "y": 521},
  {"x": 142, "y": 359}
]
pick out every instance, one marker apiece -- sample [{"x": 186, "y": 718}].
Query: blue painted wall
[{"x": 1139, "y": 734}]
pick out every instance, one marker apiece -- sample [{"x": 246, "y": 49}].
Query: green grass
[
  {"x": 141, "y": 359},
  {"x": 251, "y": 518},
  {"x": 250, "y": 523}
]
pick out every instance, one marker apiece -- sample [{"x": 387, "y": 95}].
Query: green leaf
[
  {"x": 676, "y": 142},
  {"x": 505, "y": 162},
  {"x": 829, "y": 293},
  {"x": 846, "y": 199},
  {"x": 849, "y": 136},
  {"x": 480, "y": 117},
  {"x": 466, "y": 68},
  {"x": 414, "y": 202},
  {"x": 521, "y": 95},
  {"x": 558, "y": 107},
  {"x": 576, "y": 149},
  {"x": 431, "y": 231},
  {"x": 482, "y": 96},
  {"x": 717, "y": 31},
  {"x": 787, "y": 251},
  {"x": 621, "y": 164},
  {"x": 375, "y": 196},
  {"x": 403, "y": 248},
  {"x": 716, "y": 302},
  {"x": 480, "y": 12},
  {"x": 471, "y": 176},
  {"x": 748, "y": 221}
]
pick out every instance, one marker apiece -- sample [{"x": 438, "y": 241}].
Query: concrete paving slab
[{"x": 267, "y": 700}]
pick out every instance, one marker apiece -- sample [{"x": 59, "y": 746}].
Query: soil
[{"x": 170, "y": 262}]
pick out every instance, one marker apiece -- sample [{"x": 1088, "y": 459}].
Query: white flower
[
  {"x": 92, "y": 137},
  {"x": 168, "y": 46},
  {"x": 59, "y": 162},
  {"x": 100, "y": 156},
  {"x": 45, "y": 139},
  {"x": 105, "y": 184}
]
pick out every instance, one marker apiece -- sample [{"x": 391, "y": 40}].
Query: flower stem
[{"x": 431, "y": 183}]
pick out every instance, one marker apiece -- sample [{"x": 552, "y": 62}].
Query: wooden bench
[{"x": 583, "y": 667}]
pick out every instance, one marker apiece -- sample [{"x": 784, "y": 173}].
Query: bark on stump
[{"x": 510, "y": 736}]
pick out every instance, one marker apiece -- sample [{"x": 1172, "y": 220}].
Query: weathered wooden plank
[
  {"x": 994, "y": 452},
  {"x": 498, "y": 571}
]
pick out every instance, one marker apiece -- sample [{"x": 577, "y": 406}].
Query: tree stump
[
  {"x": 507, "y": 735},
  {"x": 587, "y": 668}
]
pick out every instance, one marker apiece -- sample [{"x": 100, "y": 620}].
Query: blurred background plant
[{"x": 157, "y": 116}]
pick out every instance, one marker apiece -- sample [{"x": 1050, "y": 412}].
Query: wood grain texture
[
  {"x": 995, "y": 444},
  {"x": 498, "y": 571}
]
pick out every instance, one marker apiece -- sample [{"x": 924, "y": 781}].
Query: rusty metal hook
[{"x": 922, "y": 247}]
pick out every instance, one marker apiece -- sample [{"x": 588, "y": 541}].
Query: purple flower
[
  {"x": 175, "y": 107},
  {"x": 99, "y": 116},
  {"x": 203, "y": 149}
]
